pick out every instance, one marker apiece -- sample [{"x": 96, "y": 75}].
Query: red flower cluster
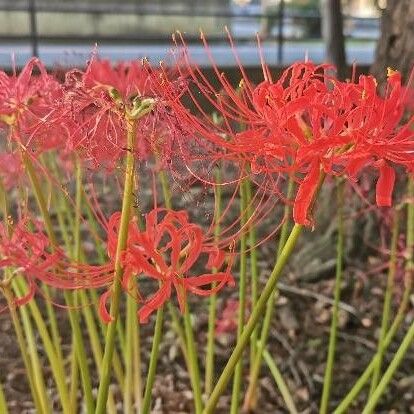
[
  {"x": 304, "y": 124},
  {"x": 31, "y": 255},
  {"x": 167, "y": 251}
]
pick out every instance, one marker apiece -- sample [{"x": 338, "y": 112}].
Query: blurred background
[{"x": 64, "y": 32}]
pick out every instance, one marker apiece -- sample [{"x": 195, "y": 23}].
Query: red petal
[
  {"x": 103, "y": 311},
  {"x": 27, "y": 297},
  {"x": 305, "y": 195},
  {"x": 385, "y": 185}
]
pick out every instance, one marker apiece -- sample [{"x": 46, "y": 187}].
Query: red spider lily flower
[
  {"x": 166, "y": 252},
  {"x": 30, "y": 254},
  {"x": 100, "y": 102},
  {"x": 302, "y": 124},
  {"x": 26, "y": 101}
]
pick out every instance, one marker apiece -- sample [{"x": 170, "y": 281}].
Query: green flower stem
[
  {"x": 280, "y": 382},
  {"x": 327, "y": 382},
  {"x": 96, "y": 346},
  {"x": 255, "y": 368},
  {"x": 91, "y": 326},
  {"x": 387, "y": 302},
  {"x": 235, "y": 396},
  {"x": 80, "y": 352},
  {"x": 366, "y": 375},
  {"x": 73, "y": 315},
  {"x": 212, "y": 311},
  {"x": 137, "y": 369},
  {"x": 254, "y": 270},
  {"x": 127, "y": 202},
  {"x": 3, "y": 403},
  {"x": 389, "y": 373},
  {"x": 29, "y": 353},
  {"x": 405, "y": 301},
  {"x": 37, "y": 372},
  {"x": 56, "y": 363},
  {"x": 36, "y": 385},
  {"x": 41, "y": 202},
  {"x": 255, "y": 316},
  {"x": 176, "y": 323},
  {"x": 146, "y": 405},
  {"x": 74, "y": 376},
  {"x": 193, "y": 361},
  {"x": 131, "y": 322},
  {"x": 409, "y": 337}
]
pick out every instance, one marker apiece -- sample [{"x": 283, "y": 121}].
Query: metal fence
[{"x": 279, "y": 17}]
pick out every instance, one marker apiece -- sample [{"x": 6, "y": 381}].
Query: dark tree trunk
[
  {"x": 332, "y": 31},
  {"x": 395, "y": 47}
]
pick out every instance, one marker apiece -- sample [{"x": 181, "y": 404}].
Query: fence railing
[{"x": 280, "y": 17}]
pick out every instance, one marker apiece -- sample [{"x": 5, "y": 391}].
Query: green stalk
[
  {"x": 85, "y": 301},
  {"x": 137, "y": 369},
  {"x": 408, "y": 339},
  {"x": 405, "y": 301},
  {"x": 96, "y": 346},
  {"x": 38, "y": 375},
  {"x": 146, "y": 405},
  {"x": 73, "y": 316},
  {"x": 366, "y": 375},
  {"x": 131, "y": 321},
  {"x": 389, "y": 373},
  {"x": 212, "y": 311},
  {"x": 254, "y": 270},
  {"x": 3, "y": 403},
  {"x": 41, "y": 202},
  {"x": 235, "y": 396},
  {"x": 255, "y": 316},
  {"x": 177, "y": 326},
  {"x": 387, "y": 303},
  {"x": 255, "y": 368},
  {"x": 280, "y": 382},
  {"x": 29, "y": 354},
  {"x": 193, "y": 360},
  {"x": 56, "y": 363},
  {"x": 117, "y": 287},
  {"x": 35, "y": 384},
  {"x": 327, "y": 382}
]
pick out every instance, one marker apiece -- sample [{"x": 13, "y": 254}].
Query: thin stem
[
  {"x": 235, "y": 396},
  {"x": 80, "y": 352},
  {"x": 387, "y": 302},
  {"x": 193, "y": 360},
  {"x": 56, "y": 363},
  {"x": 405, "y": 301},
  {"x": 41, "y": 202},
  {"x": 255, "y": 368},
  {"x": 146, "y": 405},
  {"x": 366, "y": 375},
  {"x": 137, "y": 369},
  {"x": 117, "y": 287},
  {"x": 35, "y": 385},
  {"x": 254, "y": 270},
  {"x": 212, "y": 311},
  {"x": 255, "y": 316},
  {"x": 280, "y": 382},
  {"x": 176, "y": 323},
  {"x": 29, "y": 354},
  {"x": 74, "y": 376},
  {"x": 327, "y": 383},
  {"x": 131, "y": 321},
  {"x": 3, "y": 403},
  {"x": 389, "y": 373}
]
